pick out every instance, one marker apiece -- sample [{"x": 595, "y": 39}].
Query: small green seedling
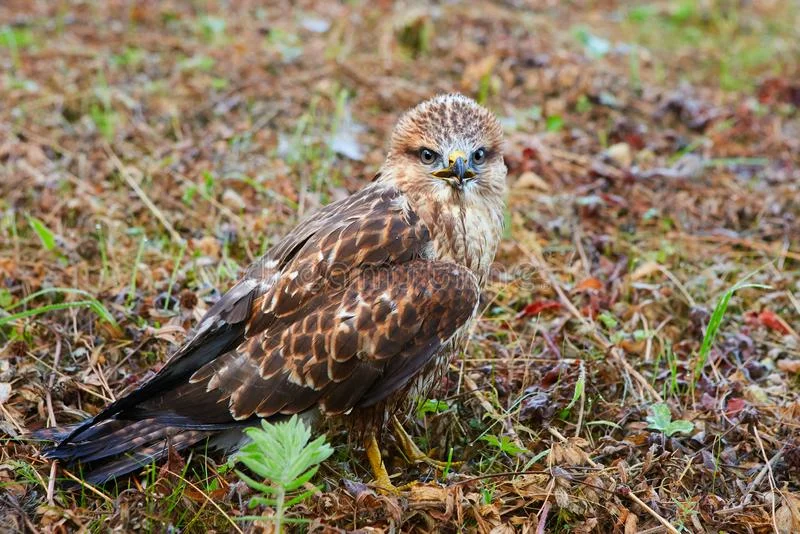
[
  {"x": 281, "y": 454},
  {"x": 715, "y": 322},
  {"x": 504, "y": 444},
  {"x": 431, "y": 406},
  {"x": 46, "y": 236},
  {"x": 661, "y": 420}
]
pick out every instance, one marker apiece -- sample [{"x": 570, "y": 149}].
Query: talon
[
  {"x": 382, "y": 480},
  {"x": 413, "y": 453}
]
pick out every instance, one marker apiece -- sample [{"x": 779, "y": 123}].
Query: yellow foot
[
  {"x": 413, "y": 453},
  {"x": 382, "y": 481}
]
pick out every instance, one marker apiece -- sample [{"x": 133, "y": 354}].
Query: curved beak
[{"x": 457, "y": 168}]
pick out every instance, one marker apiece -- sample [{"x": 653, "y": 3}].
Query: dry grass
[{"x": 151, "y": 150}]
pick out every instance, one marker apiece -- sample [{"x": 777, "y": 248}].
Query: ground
[{"x": 150, "y": 150}]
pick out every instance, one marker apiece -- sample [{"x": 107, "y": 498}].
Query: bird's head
[{"x": 449, "y": 146}]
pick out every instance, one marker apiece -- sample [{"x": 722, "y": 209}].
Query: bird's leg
[
  {"x": 412, "y": 452},
  {"x": 376, "y": 463}
]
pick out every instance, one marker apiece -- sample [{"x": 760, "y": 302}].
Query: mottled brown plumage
[{"x": 354, "y": 310}]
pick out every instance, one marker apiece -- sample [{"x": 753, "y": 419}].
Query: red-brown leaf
[
  {"x": 769, "y": 319},
  {"x": 735, "y": 406},
  {"x": 589, "y": 283},
  {"x": 535, "y": 308}
]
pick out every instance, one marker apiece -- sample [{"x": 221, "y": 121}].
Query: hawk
[{"x": 355, "y": 310}]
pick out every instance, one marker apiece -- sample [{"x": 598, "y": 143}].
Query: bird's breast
[{"x": 467, "y": 235}]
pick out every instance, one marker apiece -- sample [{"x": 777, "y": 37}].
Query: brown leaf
[
  {"x": 787, "y": 517},
  {"x": 789, "y": 366},
  {"x": 772, "y": 321},
  {"x": 735, "y": 406},
  {"x": 587, "y": 284},
  {"x": 645, "y": 270},
  {"x": 631, "y": 524},
  {"x": 535, "y": 308},
  {"x": 531, "y": 180}
]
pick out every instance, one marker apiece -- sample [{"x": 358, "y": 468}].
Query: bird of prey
[{"x": 354, "y": 311}]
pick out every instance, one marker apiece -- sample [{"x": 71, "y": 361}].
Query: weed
[
  {"x": 503, "y": 444},
  {"x": 715, "y": 322},
  {"x": 46, "y": 236},
  {"x": 282, "y": 454},
  {"x": 431, "y": 406},
  {"x": 661, "y": 419},
  {"x": 90, "y": 303},
  {"x": 554, "y": 123}
]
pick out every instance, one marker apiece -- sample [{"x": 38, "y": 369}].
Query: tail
[
  {"x": 167, "y": 411},
  {"x": 114, "y": 447}
]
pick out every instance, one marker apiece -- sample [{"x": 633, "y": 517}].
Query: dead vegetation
[{"x": 150, "y": 150}]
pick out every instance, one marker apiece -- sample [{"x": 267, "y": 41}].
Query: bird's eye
[
  {"x": 479, "y": 156},
  {"x": 427, "y": 156}
]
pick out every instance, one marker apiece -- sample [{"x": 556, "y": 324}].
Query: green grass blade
[
  {"x": 47, "y": 237},
  {"x": 715, "y": 322},
  {"x": 90, "y": 302}
]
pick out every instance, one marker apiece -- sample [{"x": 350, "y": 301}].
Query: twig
[
  {"x": 632, "y": 496},
  {"x": 648, "y": 343},
  {"x": 176, "y": 237},
  {"x": 51, "y": 483},
  {"x": 654, "y": 530},
  {"x": 9, "y": 417},
  {"x": 209, "y": 499},
  {"x": 587, "y": 267},
  {"x": 552, "y": 346},
  {"x": 7, "y": 499},
  {"x": 764, "y": 470},
  {"x": 77, "y": 384},
  {"x": 89, "y": 487},
  {"x": 771, "y": 477},
  {"x": 678, "y": 284},
  {"x": 617, "y": 354},
  {"x": 102, "y": 378},
  {"x": 542, "y": 519},
  {"x": 51, "y": 416},
  {"x": 795, "y": 302},
  {"x": 558, "y": 435}
]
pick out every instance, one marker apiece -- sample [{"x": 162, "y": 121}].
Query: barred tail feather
[{"x": 115, "y": 447}]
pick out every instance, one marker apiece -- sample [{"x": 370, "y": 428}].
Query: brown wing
[{"x": 348, "y": 348}]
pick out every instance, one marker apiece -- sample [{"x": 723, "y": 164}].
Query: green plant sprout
[
  {"x": 661, "y": 419},
  {"x": 281, "y": 453}
]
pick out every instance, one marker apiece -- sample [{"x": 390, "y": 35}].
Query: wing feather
[{"x": 386, "y": 326}]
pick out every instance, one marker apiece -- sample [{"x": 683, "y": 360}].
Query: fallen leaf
[
  {"x": 769, "y": 319},
  {"x": 787, "y": 517},
  {"x": 588, "y": 283},
  {"x": 735, "y": 406},
  {"x": 535, "y": 308},
  {"x": 620, "y": 153},
  {"x": 531, "y": 180},
  {"x": 645, "y": 270},
  {"x": 789, "y": 366}
]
